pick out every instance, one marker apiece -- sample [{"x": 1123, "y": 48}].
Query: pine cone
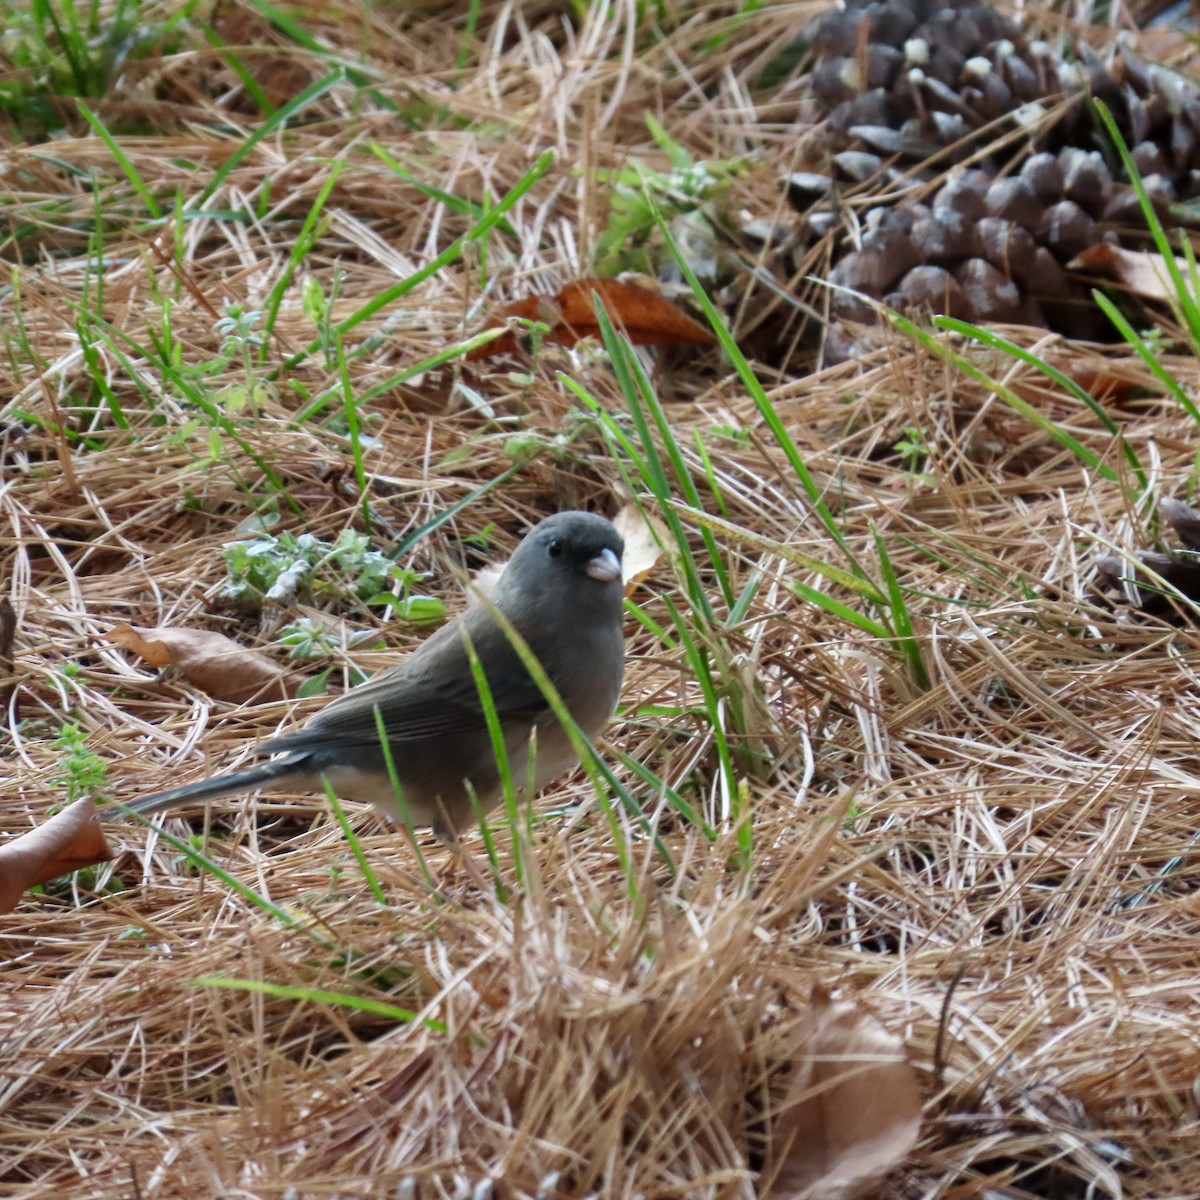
[{"x": 901, "y": 81}]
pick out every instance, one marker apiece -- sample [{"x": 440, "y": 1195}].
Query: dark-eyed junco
[{"x": 562, "y": 592}]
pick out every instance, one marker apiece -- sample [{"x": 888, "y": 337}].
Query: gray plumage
[{"x": 562, "y": 592}]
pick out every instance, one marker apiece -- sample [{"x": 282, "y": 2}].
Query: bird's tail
[{"x": 260, "y": 775}]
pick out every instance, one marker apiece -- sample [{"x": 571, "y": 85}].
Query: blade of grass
[
  {"x": 1143, "y": 351},
  {"x": 302, "y": 37},
  {"x": 271, "y": 125},
  {"x": 995, "y": 341},
  {"x": 503, "y": 766},
  {"x": 243, "y": 73},
  {"x": 755, "y": 390},
  {"x": 193, "y": 394},
  {"x": 697, "y": 658},
  {"x": 1185, "y": 300},
  {"x": 385, "y": 748},
  {"x": 456, "y": 204},
  {"x": 284, "y": 991},
  {"x": 355, "y": 845},
  {"x": 300, "y": 248},
  {"x": 449, "y": 354},
  {"x": 837, "y": 609},
  {"x": 121, "y": 159},
  {"x": 1026, "y": 410},
  {"x": 447, "y": 256},
  {"x": 860, "y": 586},
  {"x": 641, "y": 397},
  {"x": 350, "y": 409},
  {"x": 904, "y": 636},
  {"x": 199, "y": 859},
  {"x": 596, "y": 770}
]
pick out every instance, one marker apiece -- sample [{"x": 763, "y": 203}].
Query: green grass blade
[
  {"x": 240, "y": 69},
  {"x": 843, "y": 612},
  {"x": 447, "y": 256},
  {"x": 284, "y": 991},
  {"x": 199, "y": 859},
  {"x": 854, "y": 583},
  {"x": 500, "y": 752},
  {"x": 122, "y": 160},
  {"x": 641, "y": 397},
  {"x": 193, "y": 394},
  {"x": 1138, "y": 344},
  {"x": 995, "y": 341},
  {"x": 596, "y": 771},
  {"x": 1027, "y": 410},
  {"x": 406, "y": 820},
  {"x": 276, "y": 121},
  {"x": 350, "y": 409},
  {"x": 304, "y": 242},
  {"x": 756, "y": 392},
  {"x": 355, "y": 845},
  {"x": 456, "y": 204},
  {"x": 1184, "y": 298},
  {"x": 904, "y": 636}
]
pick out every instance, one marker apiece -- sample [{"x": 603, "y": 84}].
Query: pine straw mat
[{"x": 999, "y": 865}]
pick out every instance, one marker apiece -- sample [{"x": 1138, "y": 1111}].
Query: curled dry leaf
[
  {"x": 1143, "y": 273},
  {"x": 68, "y": 841},
  {"x": 644, "y": 539},
  {"x": 214, "y": 663},
  {"x": 852, "y": 1109},
  {"x": 648, "y": 318}
]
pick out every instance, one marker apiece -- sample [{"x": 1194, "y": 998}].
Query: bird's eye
[{"x": 554, "y": 549}]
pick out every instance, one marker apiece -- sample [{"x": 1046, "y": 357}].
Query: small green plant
[
  {"x": 532, "y": 335},
  {"x": 83, "y": 770},
  {"x": 915, "y": 452},
  {"x": 309, "y": 638},
  {"x": 58, "y": 49},
  {"x": 241, "y": 340},
  {"x": 278, "y": 568},
  {"x": 688, "y": 197},
  {"x": 481, "y": 538},
  {"x": 912, "y": 448},
  {"x": 216, "y": 407}
]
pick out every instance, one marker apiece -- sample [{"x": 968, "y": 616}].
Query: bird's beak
[{"x": 605, "y": 566}]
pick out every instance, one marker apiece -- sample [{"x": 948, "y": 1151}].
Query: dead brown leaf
[
  {"x": 1142, "y": 273},
  {"x": 648, "y": 318},
  {"x": 852, "y": 1111},
  {"x": 214, "y": 663},
  {"x": 68, "y": 841}
]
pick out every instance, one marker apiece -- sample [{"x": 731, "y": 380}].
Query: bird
[{"x": 561, "y": 592}]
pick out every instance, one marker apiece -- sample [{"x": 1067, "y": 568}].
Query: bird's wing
[{"x": 428, "y": 696}]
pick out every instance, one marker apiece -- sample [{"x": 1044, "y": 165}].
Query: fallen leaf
[
  {"x": 68, "y": 841},
  {"x": 852, "y": 1110},
  {"x": 1142, "y": 273},
  {"x": 644, "y": 539},
  {"x": 647, "y": 317},
  {"x": 214, "y": 663}
]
